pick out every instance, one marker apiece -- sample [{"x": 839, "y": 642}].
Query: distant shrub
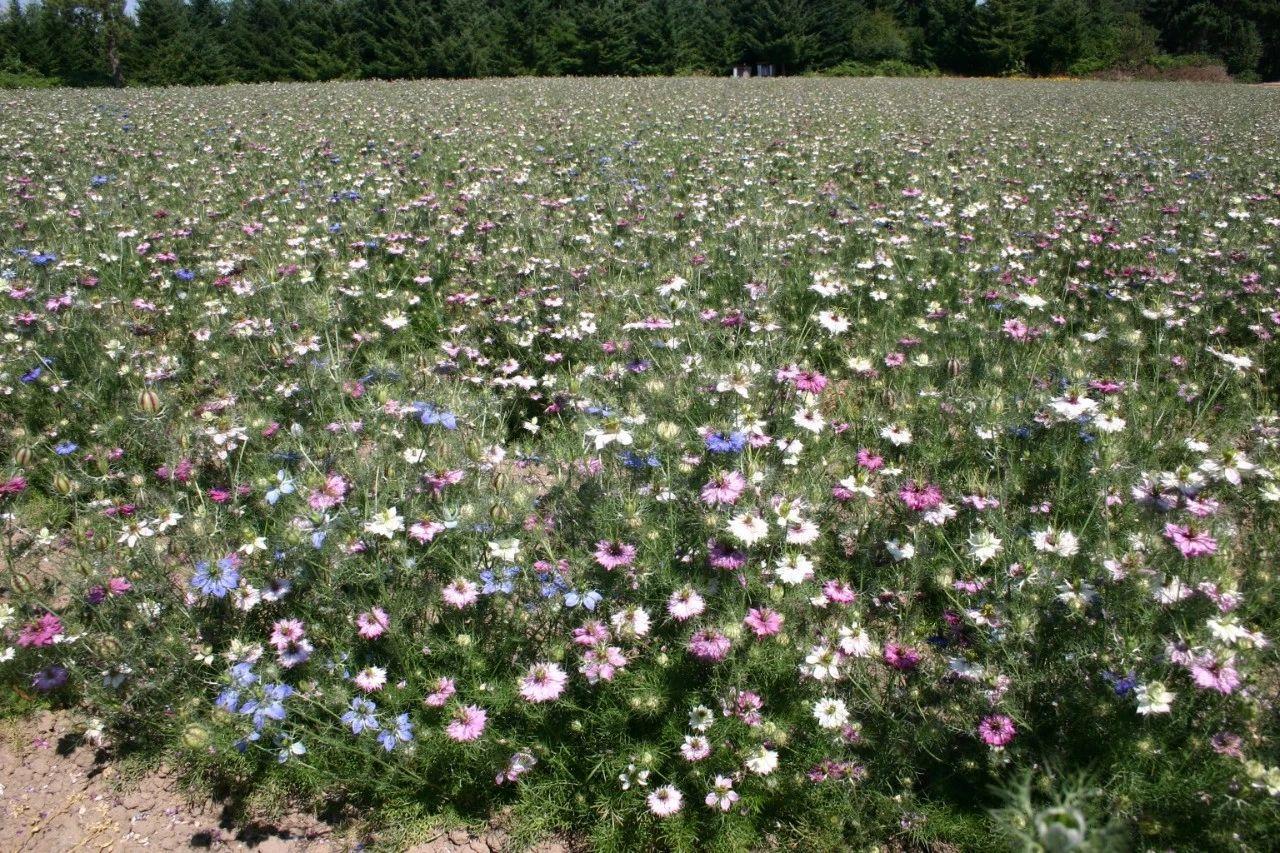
[
  {"x": 26, "y": 80},
  {"x": 885, "y": 68},
  {"x": 1182, "y": 68}
]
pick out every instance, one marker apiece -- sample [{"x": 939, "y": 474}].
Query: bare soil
[{"x": 58, "y": 793}]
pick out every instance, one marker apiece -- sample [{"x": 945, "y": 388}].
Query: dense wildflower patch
[{"x": 683, "y": 465}]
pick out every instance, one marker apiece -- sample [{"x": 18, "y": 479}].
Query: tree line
[{"x": 191, "y": 42}]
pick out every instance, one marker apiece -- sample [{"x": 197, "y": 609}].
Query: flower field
[{"x": 681, "y": 464}]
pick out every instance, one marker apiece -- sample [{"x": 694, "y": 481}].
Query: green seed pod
[{"x": 149, "y": 402}]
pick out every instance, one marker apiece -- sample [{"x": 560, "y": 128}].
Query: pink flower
[
  {"x": 869, "y": 460},
  {"x": 591, "y": 634},
  {"x": 373, "y": 624},
  {"x": 544, "y": 683},
  {"x": 118, "y": 586},
  {"x": 602, "y": 663},
  {"x": 838, "y": 592},
  {"x": 920, "y": 498},
  {"x": 764, "y": 622},
  {"x": 996, "y": 730},
  {"x": 724, "y": 489},
  {"x": 330, "y": 495},
  {"x": 685, "y": 604},
  {"x": 724, "y": 557},
  {"x": 13, "y": 486},
  {"x": 45, "y": 631},
  {"x": 1015, "y": 329},
  {"x": 811, "y": 381},
  {"x": 424, "y": 531},
  {"x": 709, "y": 645},
  {"x": 695, "y": 748},
  {"x": 613, "y": 555},
  {"x": 902, "y": 658},
  {"x": 665, "y": 801},
  {"x": 468, "y": 724},
  {"x": 1211, "y": 674},
  {"x": 1189, "y": 541},
  {"x": 444, "y": 689},
  {"x": 286, "y": 631},
  {"x": 371, "y": 679},
  {"x": 461, "y": 593}
]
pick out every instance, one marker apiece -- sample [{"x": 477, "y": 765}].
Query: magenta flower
[
  {"x": 996, "y": 730},
  {"x": 45, "y": 631},
  {"x": 763, "y": 621},
  {"x": 613, "y": 555},
  {"x": 920, "y": 498},
  {"x": 902, "y": 658},
  {"x": 1190, "y": 541}
]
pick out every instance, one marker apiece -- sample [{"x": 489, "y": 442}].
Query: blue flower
[
  {"x": 431, "y": 415},
  {"x": 634, "y": 460},
  {"x": 360, "y": 718},
  {"x": 43, "y": 259},
  {"x": 228, "y": 699},
  {"x": 286, "y": 487},
  {"x": 185, "y": 274},
  {"x": 504, "y": 584},
  {"x": 242, "y": 675},
  {"x": 289, "y": 749},
  {"x": 32, "y": 375},
  {"x": 65, "y": 448},
  {"x": 589, "y": 599},
  {"x": 720, "y": 443},
  {"x": 216, "y": 580},
  {"x": 402, "y": 733},
  {"x": 100, "y": 180}
]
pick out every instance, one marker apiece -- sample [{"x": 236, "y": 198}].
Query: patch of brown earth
[{"x": 59, "y": 793}]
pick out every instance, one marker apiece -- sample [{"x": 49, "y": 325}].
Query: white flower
[
  {"x": 700, "y": 718},
  {"x": 395, "y": 320},
  {"x": 633, "y": 621},
  {"x": 386, "y": 523},
  {"x": 608, "y": 433},
  {"x": 7, "y": 654},
  {"x": 665, "y": 801},
  {"x": 833, "y": 321},
  {"x": 830, "y": 713},
  {"x": 414, "y": 455},
  {"x": 794, "y": 569},
  {"x": 855, "y": 642},
  {"x": 763, "y": 762},
  {"x": 505, "y": 550},
  {"x": 1060, "y": 542},
  {"x": 1073, "y": 406},
  {"x": 6, "y": 615},
  {"x": 748, "y": 528},
  {"x": 983, "y": 545},
  {"x": 896, "y": 434},
  {"x": 1109, "y": 424},
  {"x": 168, "y": 520},
  {"x": 900, "y": 550},
  {"x": 821, "y": 664},
  {"x": 1153, "y": 698},
  {"x": 808, "y": 419},
  {"x": 134, "y": 532}
]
